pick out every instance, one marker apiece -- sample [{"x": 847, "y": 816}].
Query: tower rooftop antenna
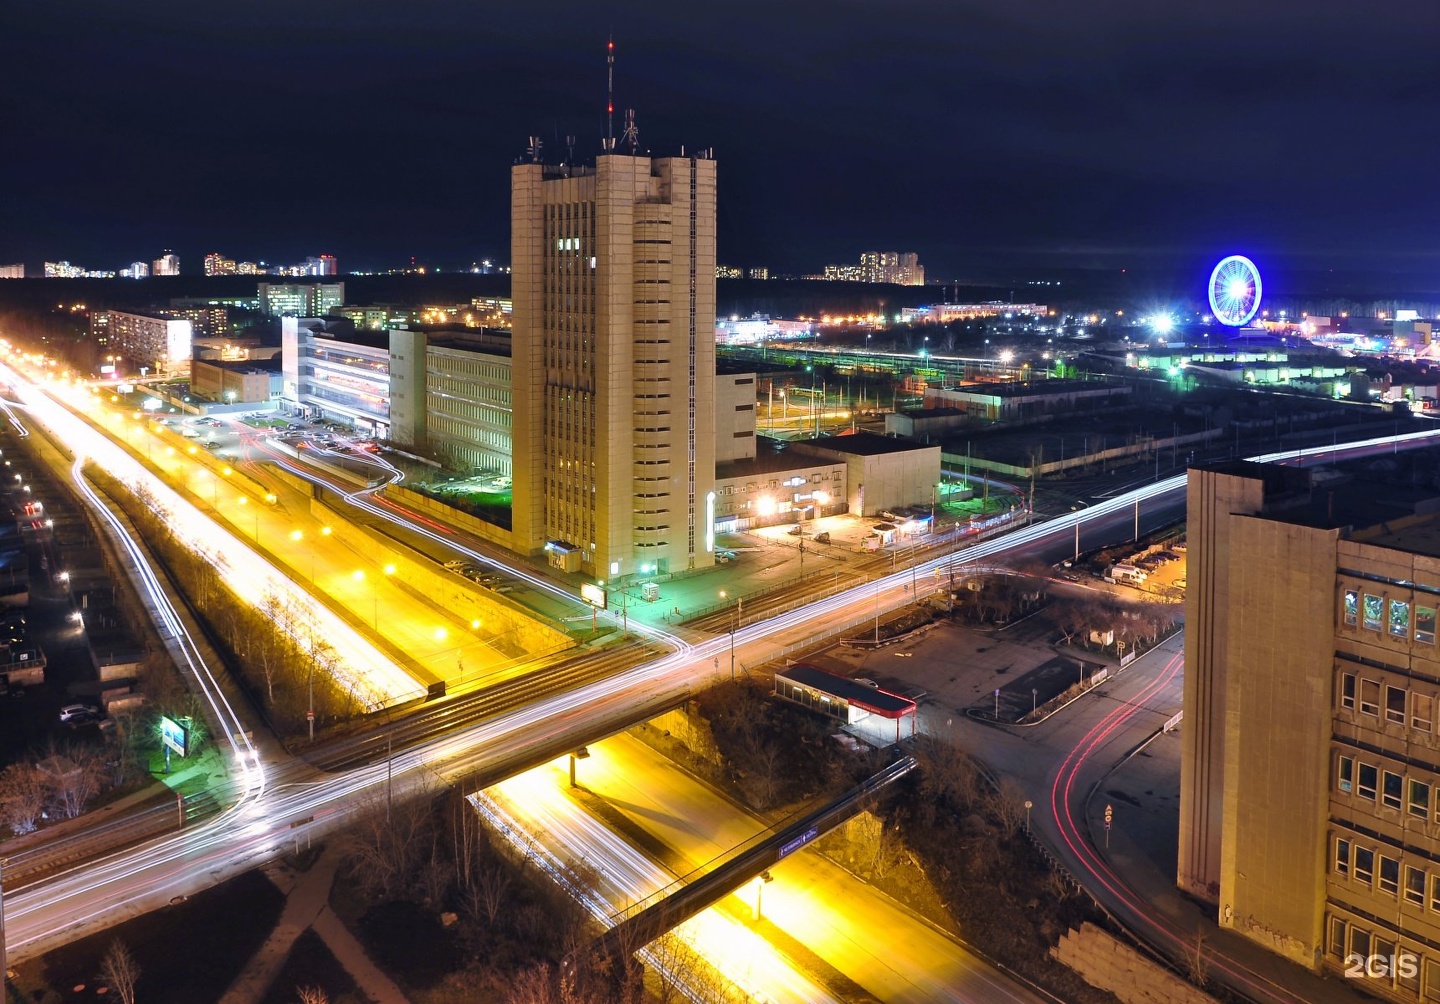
[{"x": 610, "y": 94}]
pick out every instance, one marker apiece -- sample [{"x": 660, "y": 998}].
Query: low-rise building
[
  {"x": 1017, "y": 401},
  {"x": 236, "y": 382},
  {"x": 880, "y": 472},
  {"x": 922, "y": 423},
  {"x": 777, "y": 485}
]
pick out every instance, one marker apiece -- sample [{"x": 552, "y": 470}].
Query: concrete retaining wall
[
  {"x": 686, "y": 726},
  {"x": 1104, "y": 962},
  {"x": 448, "y": 514},
  {"x": 1141, "y": 449},
  {"x": 509, "y": 627}
]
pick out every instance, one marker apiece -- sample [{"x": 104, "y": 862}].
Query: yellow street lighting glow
[
  {"x": 475, "y": 624},
  {"x": 296, "y": 535},
  {"x": 440, "y": 634},
  {"x": 241, "y": 500},
  {"x": 325, "y": 531},
  {"x": 389, "y": 569}
]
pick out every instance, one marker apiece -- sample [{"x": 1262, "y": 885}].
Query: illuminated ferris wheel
[{"x": 1235, "y": 290}]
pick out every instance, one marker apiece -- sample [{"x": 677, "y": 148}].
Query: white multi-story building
[
  {"x": 161, "y": 345},
  {"x": 166, "y": 264}
]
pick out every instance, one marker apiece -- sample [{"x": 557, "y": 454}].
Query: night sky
[{"x": 1034, "y": 133}]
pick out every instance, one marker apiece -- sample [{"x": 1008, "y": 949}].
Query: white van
[{"x": 1127, "y": 573}]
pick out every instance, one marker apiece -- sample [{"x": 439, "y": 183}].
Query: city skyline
[{"x": 1076, "y": 139}]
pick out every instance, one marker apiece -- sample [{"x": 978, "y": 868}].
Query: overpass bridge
[{"x": 670, "y": 907}]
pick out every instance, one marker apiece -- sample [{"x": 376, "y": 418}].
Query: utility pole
[{"x": 1137, "y": 520}]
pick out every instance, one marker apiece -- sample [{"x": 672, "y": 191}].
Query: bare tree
[
  {"x": 72, "y": 776},
  {"x": 1196, "y": 963},
  {"x": 22, "y": 796},
  {"x": 1008, "y": 804},
  {"x": 121, "y": 971},
  {"x": 312, "y": 995},
  {"x": 388, "y": 845}
]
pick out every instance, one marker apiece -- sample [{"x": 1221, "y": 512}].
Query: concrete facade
[
  {"x": 160, "y": 344},
  {"x": 331, "y": 371},
  {"x": 613, "y": 282},
  {"x": 778, "y": 487},
  {"x": 450, "y": 392},
  {"x": 1310, "y": 788},
  {"x": 880, "y": 472},
  {"x": 229, "y": 382},
  {"x": 734, "y": 417}
]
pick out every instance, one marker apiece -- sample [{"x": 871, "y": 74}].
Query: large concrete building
[
  {"x": 613, "y": 281},
  {"x": 450, "y": 394},
  {"x": 331, "y": 371},
  {"x": 1310, "y": 785},
  {"x": 300, "y": 299},
  {"x": 146, "y": 342}
]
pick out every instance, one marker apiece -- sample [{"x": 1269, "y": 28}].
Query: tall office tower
[
  {"x": 613, "y": 281},
  {"x": 166, "y": 264},
  {"x": 16, "y": 271}
]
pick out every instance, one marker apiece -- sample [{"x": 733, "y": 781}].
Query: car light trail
[
  {"x": 623, "y": 876},
  {"x": 359, "y": 667}
]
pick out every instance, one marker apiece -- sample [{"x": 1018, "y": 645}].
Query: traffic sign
[{"x": 1109, "y": 815}]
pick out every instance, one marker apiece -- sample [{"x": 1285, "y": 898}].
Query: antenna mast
[{"x": 610, "y": 94}]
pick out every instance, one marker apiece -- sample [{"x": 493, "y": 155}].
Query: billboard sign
[
  {"x": 594, "y": 595},
  {"x": 174, "y": 736}
]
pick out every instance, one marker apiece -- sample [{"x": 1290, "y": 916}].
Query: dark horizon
[{"x": 1023, "y": 138}]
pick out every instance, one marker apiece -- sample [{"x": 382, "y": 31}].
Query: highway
[
  {"x": 297, "y": 801},
  {"x": 532, "y": 811},
  {"x": 847, "y": 924}
]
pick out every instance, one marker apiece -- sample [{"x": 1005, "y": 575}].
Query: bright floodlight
[
  {"x": 1235, "y": 290},
  {"x": 1162, "y": 324}
]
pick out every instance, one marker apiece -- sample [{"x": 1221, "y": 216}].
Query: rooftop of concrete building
[
  {"x": 934, "y": 412},
  {"x": 245, "y": 365},
  {"x": 1027, "y": 388},
  {"x": 1390, "y": 501},
  {"x": 863, "y": 444},
  {"x": 772, "y": 456}
]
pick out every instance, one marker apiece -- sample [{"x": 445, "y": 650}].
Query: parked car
[
  {"x": 78, "y": 714},
  {"x": 796, "y": 531},
  {"x": 455, "y": 566},
  {"x": 823, "y": 537}
]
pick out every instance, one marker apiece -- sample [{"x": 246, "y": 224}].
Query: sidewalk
[
  {"x": 307, "y": 905},
  {"x": 1144, "y": 841}
]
